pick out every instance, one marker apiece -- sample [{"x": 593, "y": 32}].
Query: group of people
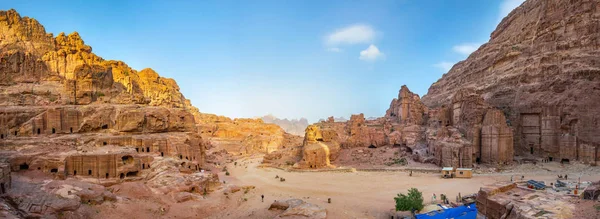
[{"x": 444, "y": 198}]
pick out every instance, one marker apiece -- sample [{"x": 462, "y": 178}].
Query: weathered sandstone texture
[
  {"x": 540, "y": 68},
  {"x": 245, "y": 136},
  {"x": 68, "y": 115}
]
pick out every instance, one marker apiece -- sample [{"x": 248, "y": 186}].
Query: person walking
[{"x": 262, "y": 198}]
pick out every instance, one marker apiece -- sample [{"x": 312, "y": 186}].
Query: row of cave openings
[{"x": 25, "y": 166}]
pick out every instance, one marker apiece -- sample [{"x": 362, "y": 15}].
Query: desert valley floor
[{"x": 360, "y": 194}]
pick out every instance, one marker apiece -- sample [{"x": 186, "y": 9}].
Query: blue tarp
[
  {"x": 537, "y": 184},
  {"x": 460, "y": 212}
]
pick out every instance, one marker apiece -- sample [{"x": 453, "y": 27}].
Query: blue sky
[{"x": 293, "y": 59}]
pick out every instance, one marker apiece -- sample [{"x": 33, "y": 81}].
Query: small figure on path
[
  {"x": 410, "y": 173},
  {"x": 262, "y": 198},
  {"x": 433, "y": 198},
  {"x": 511, "y": 178},
  {"x": 566, "y": 177}
]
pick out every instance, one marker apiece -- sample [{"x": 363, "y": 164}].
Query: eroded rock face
[
  {"x": 407, "y": 108},
  {"x": 29, "y": 54},
  {"x": 245, "y": 136},
  {"x": 317, "y": 151},
  {"x": 540, "y": 69},
  {"x": 296, "y": 208},
  {"x": 82, "y": 122}
]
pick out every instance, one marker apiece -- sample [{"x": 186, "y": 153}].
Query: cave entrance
[
  {"x": 54, "y": 170},
  {"x": 16, "y": 133},
  {"x": 122, "y": 176},
  {"x": 104, "y": 126},
  {"x": 71, "y": 129},
  {"x": 39, "y": 131},
  {"x": 193, "y": 190},
  {"x": 53, "y": 130},
  {"x": 132, "y": 174},
  {"x": 24, "y": 166},
  {"x": 372, "y": 146},
  {"x": 564, "y": 160},
  {"x": 147, "y": 149},
  {"x": 1, "y": 136},
  {"x": 143, "y": 166},
  {"x": 137, "y": 150},
  {"x": 107, "y": 175},
  {"x": 2, "y": 189},
  {"x": 478, "y": 160},
  {"x": 104, "y": 143},
  {"x": 90, "y": 172},
  {"x": 74, "y": 172},
  {"x": 550, "y": 158},
  {"x": 162, "y": 154},
  {"x": 127, "y": 159}
]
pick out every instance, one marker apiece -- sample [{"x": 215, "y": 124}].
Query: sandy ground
[{"x": 356, "y": 194}]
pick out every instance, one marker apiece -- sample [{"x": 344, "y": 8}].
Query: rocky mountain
[
  {"x": 294, "y": 126},
  {"x": 532, "y": 91},
  {"x": 72, "y": 117},
  {"x": 541, "y": 68}
]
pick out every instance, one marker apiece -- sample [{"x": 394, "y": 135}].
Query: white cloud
[
  {"x": 354, "y": 34},
  {"x": 334, "y": 49},
  {"x": 507, "y": 6},
  {"x": 466, "y": 48},
  {"x": 446, "y": 66},
  {"x": 371, "y": 54}
]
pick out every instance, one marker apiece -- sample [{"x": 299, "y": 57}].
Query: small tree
[{"x": 414, "y": 200}]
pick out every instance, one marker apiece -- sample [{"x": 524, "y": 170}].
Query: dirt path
[{"x": 354, "y": 195}]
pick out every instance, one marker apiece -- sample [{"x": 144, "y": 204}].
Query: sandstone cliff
[
  {"x": 540, "y": 68},
  {"x": 67, "y": 115}
]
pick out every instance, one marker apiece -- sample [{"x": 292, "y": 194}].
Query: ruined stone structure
[{"x": 514, "y": 200}]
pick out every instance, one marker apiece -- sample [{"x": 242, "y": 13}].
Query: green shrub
[
  {"x": 414, "y": 200},
  {"x": 226, "y": 173}
]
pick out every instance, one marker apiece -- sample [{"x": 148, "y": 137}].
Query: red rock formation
[
  {"x": 72, "y": 115},
  {"x": 407, "y": 108},
  {"x": 538, "y": 67}
]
